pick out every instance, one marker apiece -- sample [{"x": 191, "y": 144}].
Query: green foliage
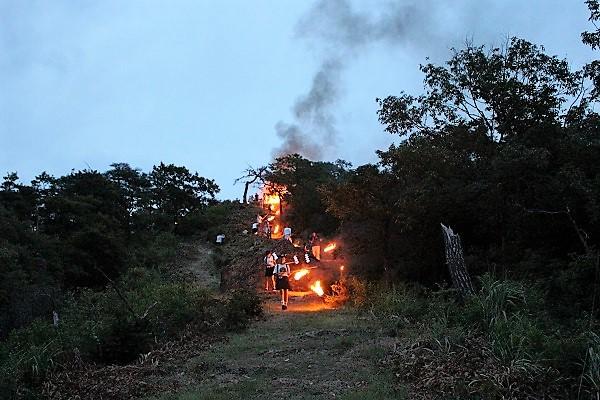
[
  {"x": 98, "y": 326},
  {"x": 302, "y": 179},
  {"x": 151, "y": 251},
  {"x": 511, "y": 317},
  {"x": 357, "y": 290},
  {"x": 591, "y": 370},
  {"x": 26, "y": 355},
  {"x": 177, "y": 192},
  {"x": 500, "y": 146},
  {"x": 241, "y": 307},
  {"x": 592, "y": 39},
  {"x": 210, "y": 219},
  {"x": 87, "y": 227},
  {"x": 571, "y": 289}
]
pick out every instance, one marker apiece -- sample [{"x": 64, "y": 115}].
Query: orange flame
[
  {"x": 300, "y": 274},
  {"x": 316, "y": 287},
  {"x": 330, "y": 246},
  {"x": 272, "y": 201},
  {"x": 271, "y": 218},
  {"x": 276, "y": 230}
]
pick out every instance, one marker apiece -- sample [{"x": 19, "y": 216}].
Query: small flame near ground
[
  {"x": 316, "y": 287},
  {"x": 329, "y": 247},
  {"x": 300, "y": 274}
]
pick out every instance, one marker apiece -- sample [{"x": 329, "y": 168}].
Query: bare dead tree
[
  {"x": 251, "y": 175},
  {"x": 456, "y": 262}
]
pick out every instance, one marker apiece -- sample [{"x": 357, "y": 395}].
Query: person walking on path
[
  {"x": 267, "y": 229},
  {"x": 315, "y": 243},
  {"x": 282, "y": 273},
  {"x": 269, "y": 262},
  {"x": 287, "y": 234}
]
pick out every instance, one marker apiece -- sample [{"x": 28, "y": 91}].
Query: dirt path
[
  {"x": 197, "y": 261},
  {"x": 310, "y": 351}
]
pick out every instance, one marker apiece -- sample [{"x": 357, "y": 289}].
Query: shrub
[
  {"x": 243, "y": 305},
  {"x": 101, "y": 327},
  {"x": 357, "y": 290},
  {"x": 219, "y": 259},
  {"x": 170, "y": 306},
  {"x": 591, "y": 370},
  {"x": 26, "y": 356},
  {"x": 151, "y": 251}
]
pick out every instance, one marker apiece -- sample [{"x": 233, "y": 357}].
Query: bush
[
  {"x": 591, "y": 367},
  {"x": 510, "y": 318},
  {"x": 26, "y": 356},
  {"x": 171, "y": 306},
  {"x": 150, "y": 251},
  {"x": 571, "y": 289},
  {"x": 357, "y": 290},
  {"x": 243, "y": 305},
  {"x": 101, "y": 327}
]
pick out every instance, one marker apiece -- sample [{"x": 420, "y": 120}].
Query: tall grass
[
  {"x": 591, "y": 365},
  {"x": 510, "y": 317},
  {"x": 99, "y": 327}
]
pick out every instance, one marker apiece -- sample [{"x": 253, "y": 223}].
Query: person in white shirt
[
  {"x": 269, "y": 261},
  {"x": 287, "y": 233},
  {"x": 282, "y": 274},
  {"x": 255, "y": 228}
]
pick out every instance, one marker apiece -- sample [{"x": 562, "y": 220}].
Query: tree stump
[{"x": 456, "y": 263}]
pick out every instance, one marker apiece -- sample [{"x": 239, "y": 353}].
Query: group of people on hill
[
  {"x": 262, "y": 226},
  {"x": 278, "y": 270},
  {"x": 277, "y": 275}
]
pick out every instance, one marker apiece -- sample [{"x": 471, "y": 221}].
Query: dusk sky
[{"x": 209, "y": 84}]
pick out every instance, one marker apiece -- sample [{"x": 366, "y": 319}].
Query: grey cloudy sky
[{"x": 218, "y": 85}]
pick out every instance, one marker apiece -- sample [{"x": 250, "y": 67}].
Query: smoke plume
[
  {"x": 314, "y": 126},
  {"x": 343, "y": 33}
]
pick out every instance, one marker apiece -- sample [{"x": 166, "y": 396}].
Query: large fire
[
  {"x": 316, "y": 287},
  {"x": 329, "y": 247},
  {"x": 272, "y": 202},
  {"x": 300, "y": 274}
]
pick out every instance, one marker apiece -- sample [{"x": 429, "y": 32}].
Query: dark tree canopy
[
  {"x": 83, "y": 228},
  {"x": 502, "y": 92}
]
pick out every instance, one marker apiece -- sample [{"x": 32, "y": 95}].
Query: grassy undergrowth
[
  {"x": 102, "y": 328},
  {"x": 297, "y": 356},
  {"x": 507, "y": 322}
]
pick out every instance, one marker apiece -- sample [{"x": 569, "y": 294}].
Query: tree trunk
[
  {"x": 244, "y": 199},
  {"x": 456, "y": 263}
]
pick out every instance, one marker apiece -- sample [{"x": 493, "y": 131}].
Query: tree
[
  {"x": 176, "y": 192},
  {"x": 504, "y": 92},
  {"x": 10, "y": 182},
  {"x": 44, "y": 186},
  {"x": 251, "y": 175},
  {"x": 592, "y": 39},
  {"x": 301, "y": 179},
  {"x": 134, "y": 189},
  {"x": 495, "y": 135}
]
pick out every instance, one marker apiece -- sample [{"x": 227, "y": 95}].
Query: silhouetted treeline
[
  {"x": 503, "y": 146},
  {"x": 87, "y": 227}
]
